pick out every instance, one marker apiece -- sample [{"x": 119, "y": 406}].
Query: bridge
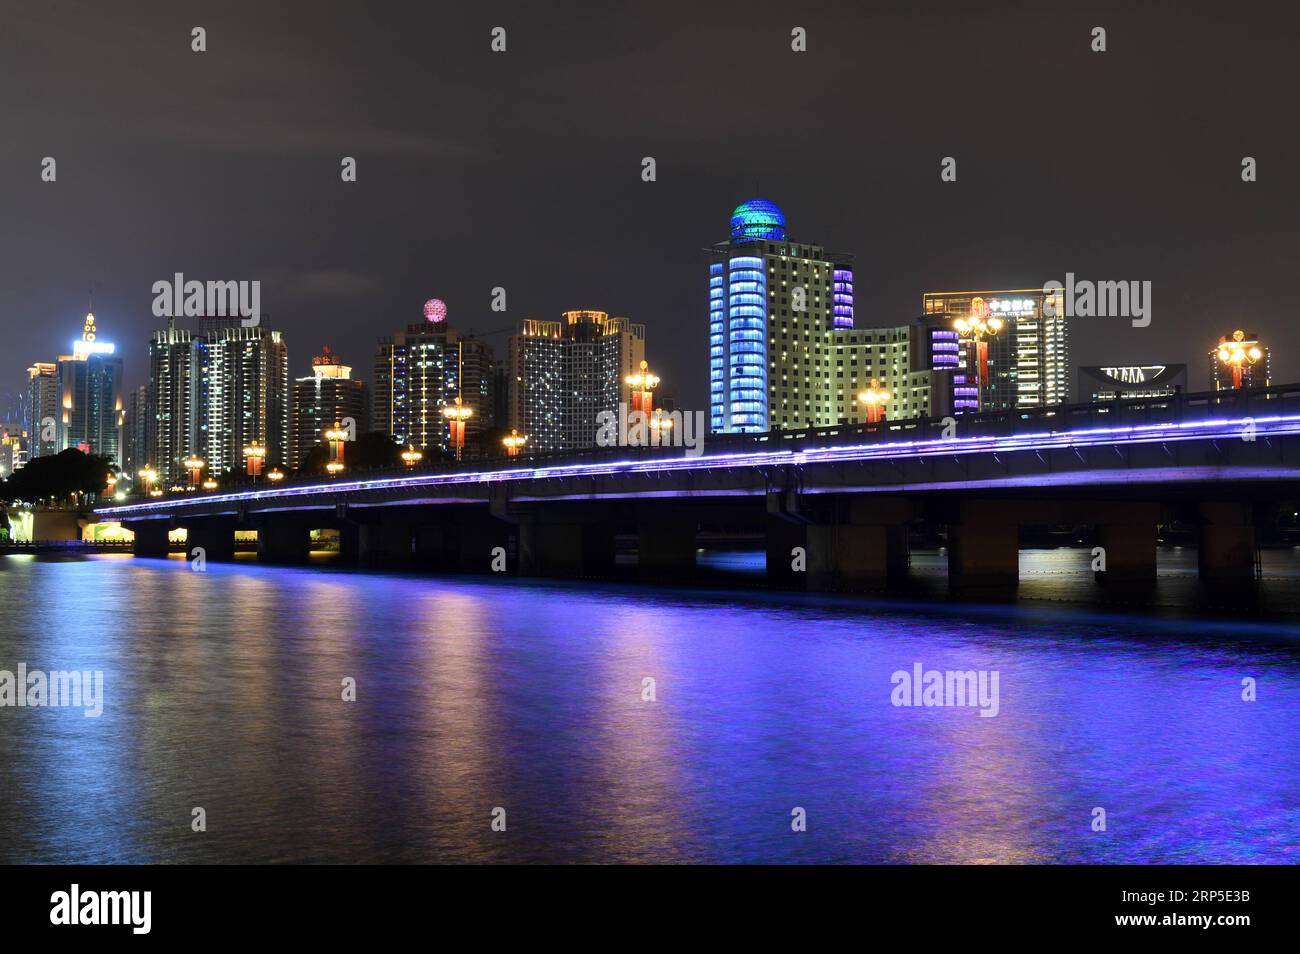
[{"x": 834, "y": 505}]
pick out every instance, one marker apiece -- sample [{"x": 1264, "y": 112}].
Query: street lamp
[
  {"x": 254, "y": 455},
  {"x": 661, "y": 428},
  {"x": 209, "y": 484},
  {"x": 275, "y": 474},
  {"x": 336, "y": 436},
  {"x": 148, "y": 475},
  {"x": 456, "y": 415},
  {"x": 194, "y": 464},
  {"x": 642, "y": 384},
  {"x": 514, "y": 442},
  {"x": 976, "y": 328},
  {"x": 874, "y": 398},
  {"x": 1238, "y": 352},
  {"x": 411, "y": 456}
]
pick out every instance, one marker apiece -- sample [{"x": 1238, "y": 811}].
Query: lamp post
[
  {"x": 456, "y": 415},
  {"x": 254, "y": 456},
  {"x": 514, "y": 442},
  {"x": 661, "y": 429},
  {"x": 209, "y": 484},
  {"x": 1237, "y": 353},
  {"x": 874, "y": 397},
  {"x": 336, "y": 436},
  {"x": 275, "y": 475},
  {"x": 194, "y": 464},
  {"x": 411, "y": 456},
  {"x": 977, "y": 329},
  {"x": 148, "y": 475},
  {"x": 642, "y": 384}
]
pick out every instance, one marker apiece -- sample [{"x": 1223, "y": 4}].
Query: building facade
[
  {"x": 90, "y": 396},
  {"x": 214, "y": 392},
  {"x": 773, "y": 305},
  {"x": 1028, "y": 359},
  {"x": 43, "y": 403},
  {"x": 1109, "y": 383},
  {"x": 424, "y": 369},
  {"x": 329, "y": 397},
  {"x": 564, "y": 374}
]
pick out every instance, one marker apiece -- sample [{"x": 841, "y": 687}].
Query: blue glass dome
[{"x": 758, "y": 219}]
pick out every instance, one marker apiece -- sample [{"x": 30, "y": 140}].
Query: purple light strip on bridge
[{"x": 1221, "y": 428}]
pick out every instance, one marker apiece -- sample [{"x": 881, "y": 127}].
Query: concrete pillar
[
  {"x": 984, "y": 547},
  {"x": 666, "y": 547},
  {"x": 467, "y": 542},
  {"x": 150, "y": 537},
  {"x": 1227, "y": 550},
  {"x": 283, "y": 540},
  {"x": 216, "y": 535},
  {"x": 350, "y": 542},
  {"x": 784, "y": 538},
  {"x": 1130, "y": 552},
  {"x": 855, "y": 557},
  {"x": 566, "y": 549}
]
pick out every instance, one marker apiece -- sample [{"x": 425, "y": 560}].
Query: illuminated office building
[
  {"x": 890, "y": 358},
  {"x": 1108, "y": 383},
  {"x": 90, "y": 396},
  {"x": 214, "y": 392},
  {"x": 773, "y": 305},
  {"x": 563, "y": 374},
  {"x": 328, "y": 397},
  {"x": 1028, "y": 358},
  {"x": 422, "y": 370},
  {"x": 43, "y": 409},
  {"x": 136, "y": 431}
]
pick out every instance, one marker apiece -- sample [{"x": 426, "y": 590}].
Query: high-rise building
[
  {"x": 13, "y": 447},
  {"x": 890, "y": 358},
  {"x": 1028, "y": 359},
  {"x": 564, "y": 374},
  {"x": 329, "y": 397},
  {"x": 136, "y": 431},
  {"x": 43, "y": 407},
  {"x": 421, "y": 371},
  {"x": 215, "y": 392},
  {"x": 773, "y": 305},
  {"x": 90, "y": 396},
  {"x": 1109, "y": 383},
  {"x": 1240, "y": 350}
]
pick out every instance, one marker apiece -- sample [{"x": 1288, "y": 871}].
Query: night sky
[{"x": 523, "y": 170}]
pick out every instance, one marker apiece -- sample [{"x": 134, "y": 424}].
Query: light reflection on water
[{"x": 223, "y": 691}]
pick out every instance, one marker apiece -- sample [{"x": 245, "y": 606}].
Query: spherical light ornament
[
  {"x": 758, "y": 219},
  {"x": 435, "y": 310}
]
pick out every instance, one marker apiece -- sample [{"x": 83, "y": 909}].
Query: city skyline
[{"x": 263, "y": 177}]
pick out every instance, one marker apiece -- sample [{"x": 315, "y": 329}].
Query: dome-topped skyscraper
[{"x": 758, "y": 219}]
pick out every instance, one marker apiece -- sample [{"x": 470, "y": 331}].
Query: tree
[{"x": 58, "y": 478}]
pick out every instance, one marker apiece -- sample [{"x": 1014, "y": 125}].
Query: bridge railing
[{"x": 1118, "y": 413}]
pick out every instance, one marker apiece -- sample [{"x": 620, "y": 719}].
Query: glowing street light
[
  {"x": 209, "y": 484},
  {"x": 194, "y": 464},
  {"x": 334, "y": 467},
  {"x": 875, "y": 397},
  {"x": 254, "y": 456},
  {"x": 457, "y": 414},
  {"x": 411, "y": 456},
  {"x": 275, "y": 474},
  {"x": 661, "y": 428},
  {"x": 514, "y": 442},
  {"x": 642, "y": 384},
  {"x": 1237, "y": 353},
  {"x": 148, "y": 475},
  {"x": 976, "y": 328},
  {"x": 336, "y": 436}
]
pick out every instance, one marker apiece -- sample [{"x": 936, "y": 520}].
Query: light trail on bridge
[{"x": 1168, "y": 432}]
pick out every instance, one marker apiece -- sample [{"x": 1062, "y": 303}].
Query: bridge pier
[
  {"x": 566, "y": 549},
  {"x": 851, "y": 545},
  {"x": 984, "y": 548},
  {"x": 1227, "y": 549},
  {"x": 150, "y": 537},
  {"x": 463, "y": 542},
  {"x": 386, "y": 541},
  {"x": 283, "y": 541},
  {"x": 216, "y": 535},
  {"x": 1127, "y": 535}
]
